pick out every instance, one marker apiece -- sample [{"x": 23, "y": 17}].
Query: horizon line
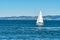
[{"x": 32, "y": 16}]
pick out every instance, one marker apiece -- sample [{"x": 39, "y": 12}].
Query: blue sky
[{"x": 29, "y": 7}]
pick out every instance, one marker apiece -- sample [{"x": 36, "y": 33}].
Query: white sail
[{"x": 40, "y": 19}]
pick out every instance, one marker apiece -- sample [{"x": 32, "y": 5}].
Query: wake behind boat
[{"x": 40, "y": 19}]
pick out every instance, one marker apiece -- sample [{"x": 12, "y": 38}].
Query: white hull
[{"x": 39, "y": 24}]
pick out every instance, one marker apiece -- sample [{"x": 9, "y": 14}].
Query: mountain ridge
[{"x": 48, "y": 17}]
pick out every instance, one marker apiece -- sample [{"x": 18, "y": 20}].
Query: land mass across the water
[{"x": 30, "y": 18}]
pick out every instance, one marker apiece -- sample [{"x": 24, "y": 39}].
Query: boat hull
[{"x": 39, "y": 24}]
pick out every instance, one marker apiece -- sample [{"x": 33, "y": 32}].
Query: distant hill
[
  {"x": 51, "y": 17},
  {"x": 30, "y": 18}
]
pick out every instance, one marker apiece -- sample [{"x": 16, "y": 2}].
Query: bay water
[{"x": 28, "y": 30}]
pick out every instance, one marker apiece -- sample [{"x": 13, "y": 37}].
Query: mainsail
[{"x": 40, "y": 19}]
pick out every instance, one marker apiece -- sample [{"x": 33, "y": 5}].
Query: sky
[{"x": 29, "y": 7}]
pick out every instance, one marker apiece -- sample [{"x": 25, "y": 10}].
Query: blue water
[{"x": 28, "y": 30}]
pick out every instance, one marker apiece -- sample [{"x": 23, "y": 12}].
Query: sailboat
[{"x": 40, "y": 19}]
